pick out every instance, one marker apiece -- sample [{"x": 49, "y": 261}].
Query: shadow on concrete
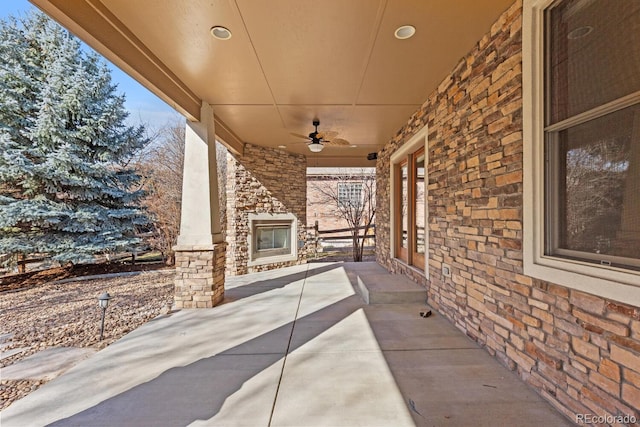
[
  {"x": 251, "y": 289},
  {"x": 182, "y": 395}
]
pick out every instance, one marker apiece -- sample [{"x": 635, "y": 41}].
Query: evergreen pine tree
[{"x": 65, "y": 185}]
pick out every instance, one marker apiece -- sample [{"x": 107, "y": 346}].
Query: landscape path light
[{"x": 103, "y": 302}]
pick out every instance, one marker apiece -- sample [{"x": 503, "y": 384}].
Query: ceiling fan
[{"x": 320, "y": 139}]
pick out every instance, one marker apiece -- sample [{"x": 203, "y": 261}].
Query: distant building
[{"x": 347, "y": 183}]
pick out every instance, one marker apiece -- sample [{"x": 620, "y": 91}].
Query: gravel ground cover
[{"x": 53, "y": 314}]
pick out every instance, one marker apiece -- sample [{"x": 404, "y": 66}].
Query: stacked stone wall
[
  {"x": 579, "y": 351},
  {"x": 264, "y": 180}
]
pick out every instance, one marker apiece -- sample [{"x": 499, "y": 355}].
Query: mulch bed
[
  {"x": 12, "y": 282},
  {"x": 38, "y": 313}
]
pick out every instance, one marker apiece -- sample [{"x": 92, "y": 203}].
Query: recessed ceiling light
[
  {"x": 405, "y": 32},
  {"x": 580, "y": 32},
  {"x": 354, "y": 146},
  {"x": 282, "y": 146},
  {"x": 221, "y": 33}
]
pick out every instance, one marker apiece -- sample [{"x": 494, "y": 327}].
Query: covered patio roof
[{"x": 288, "y": 62}]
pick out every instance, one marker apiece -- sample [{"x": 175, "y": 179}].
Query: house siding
[
  {"x": 579, "y": 351},
  {"x": 323, "y": 210},
  {"x": 264, "y": 180},
  {"x": 317, "y": 207}
]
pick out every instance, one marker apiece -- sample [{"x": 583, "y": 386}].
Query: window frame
[
  {"x": 602, "y": 280},
  {"x": 417, "y": 143}
]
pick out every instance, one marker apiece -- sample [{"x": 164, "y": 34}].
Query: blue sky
[{"x": 143, "y": 106}]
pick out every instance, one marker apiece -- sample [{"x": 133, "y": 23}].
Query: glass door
[
  {"x": 418, "y": 223},
  {"x": 410, "y": 214},
  {"x": 402, "y": 211}
]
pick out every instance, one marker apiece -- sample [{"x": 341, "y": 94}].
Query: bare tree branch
[{"x": 355, "y": 204}]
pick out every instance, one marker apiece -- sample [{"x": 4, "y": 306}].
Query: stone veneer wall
[
  {"x": 579, "y": 351},
  {"x": 264, "y": 180}
]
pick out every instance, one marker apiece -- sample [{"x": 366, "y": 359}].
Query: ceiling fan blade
[
  {"x": 299, "y": 135},
  {"x": 338, "y": 142},
  {"x": 328, "y": 135}
]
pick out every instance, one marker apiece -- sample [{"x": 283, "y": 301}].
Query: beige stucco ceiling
[{"x": 288, "y": 61}]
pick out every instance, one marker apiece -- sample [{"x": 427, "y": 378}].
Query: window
[
  {"x": 349, "y": 193},
  {"x": 592, "y": 196},
  {"x": 581, "y": 114},
  {"x": 410, "y": 237},
  {"x": 592, "y": 193}
]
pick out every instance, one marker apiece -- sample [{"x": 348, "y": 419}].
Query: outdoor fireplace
[{"x": 272, "y": 238}]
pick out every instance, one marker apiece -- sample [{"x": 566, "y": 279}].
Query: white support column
[
  {"x": 200, "y": 218},
  {"x": 200, "y": 252}
]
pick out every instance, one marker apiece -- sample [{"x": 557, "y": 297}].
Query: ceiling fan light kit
[{"x": 315, "y": 147}]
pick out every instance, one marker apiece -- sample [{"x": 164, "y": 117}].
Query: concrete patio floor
[{"x": 289, "y": 347}]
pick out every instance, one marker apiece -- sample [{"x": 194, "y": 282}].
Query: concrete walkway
[{"x": 290, "y": 347}]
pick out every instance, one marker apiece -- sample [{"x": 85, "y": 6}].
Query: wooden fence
[
  {"x": 319, "y": 236},
  {"x": 22, "y": 260}
]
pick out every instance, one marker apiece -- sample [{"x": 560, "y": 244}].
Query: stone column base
[{"x": 199, "y": 281}]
